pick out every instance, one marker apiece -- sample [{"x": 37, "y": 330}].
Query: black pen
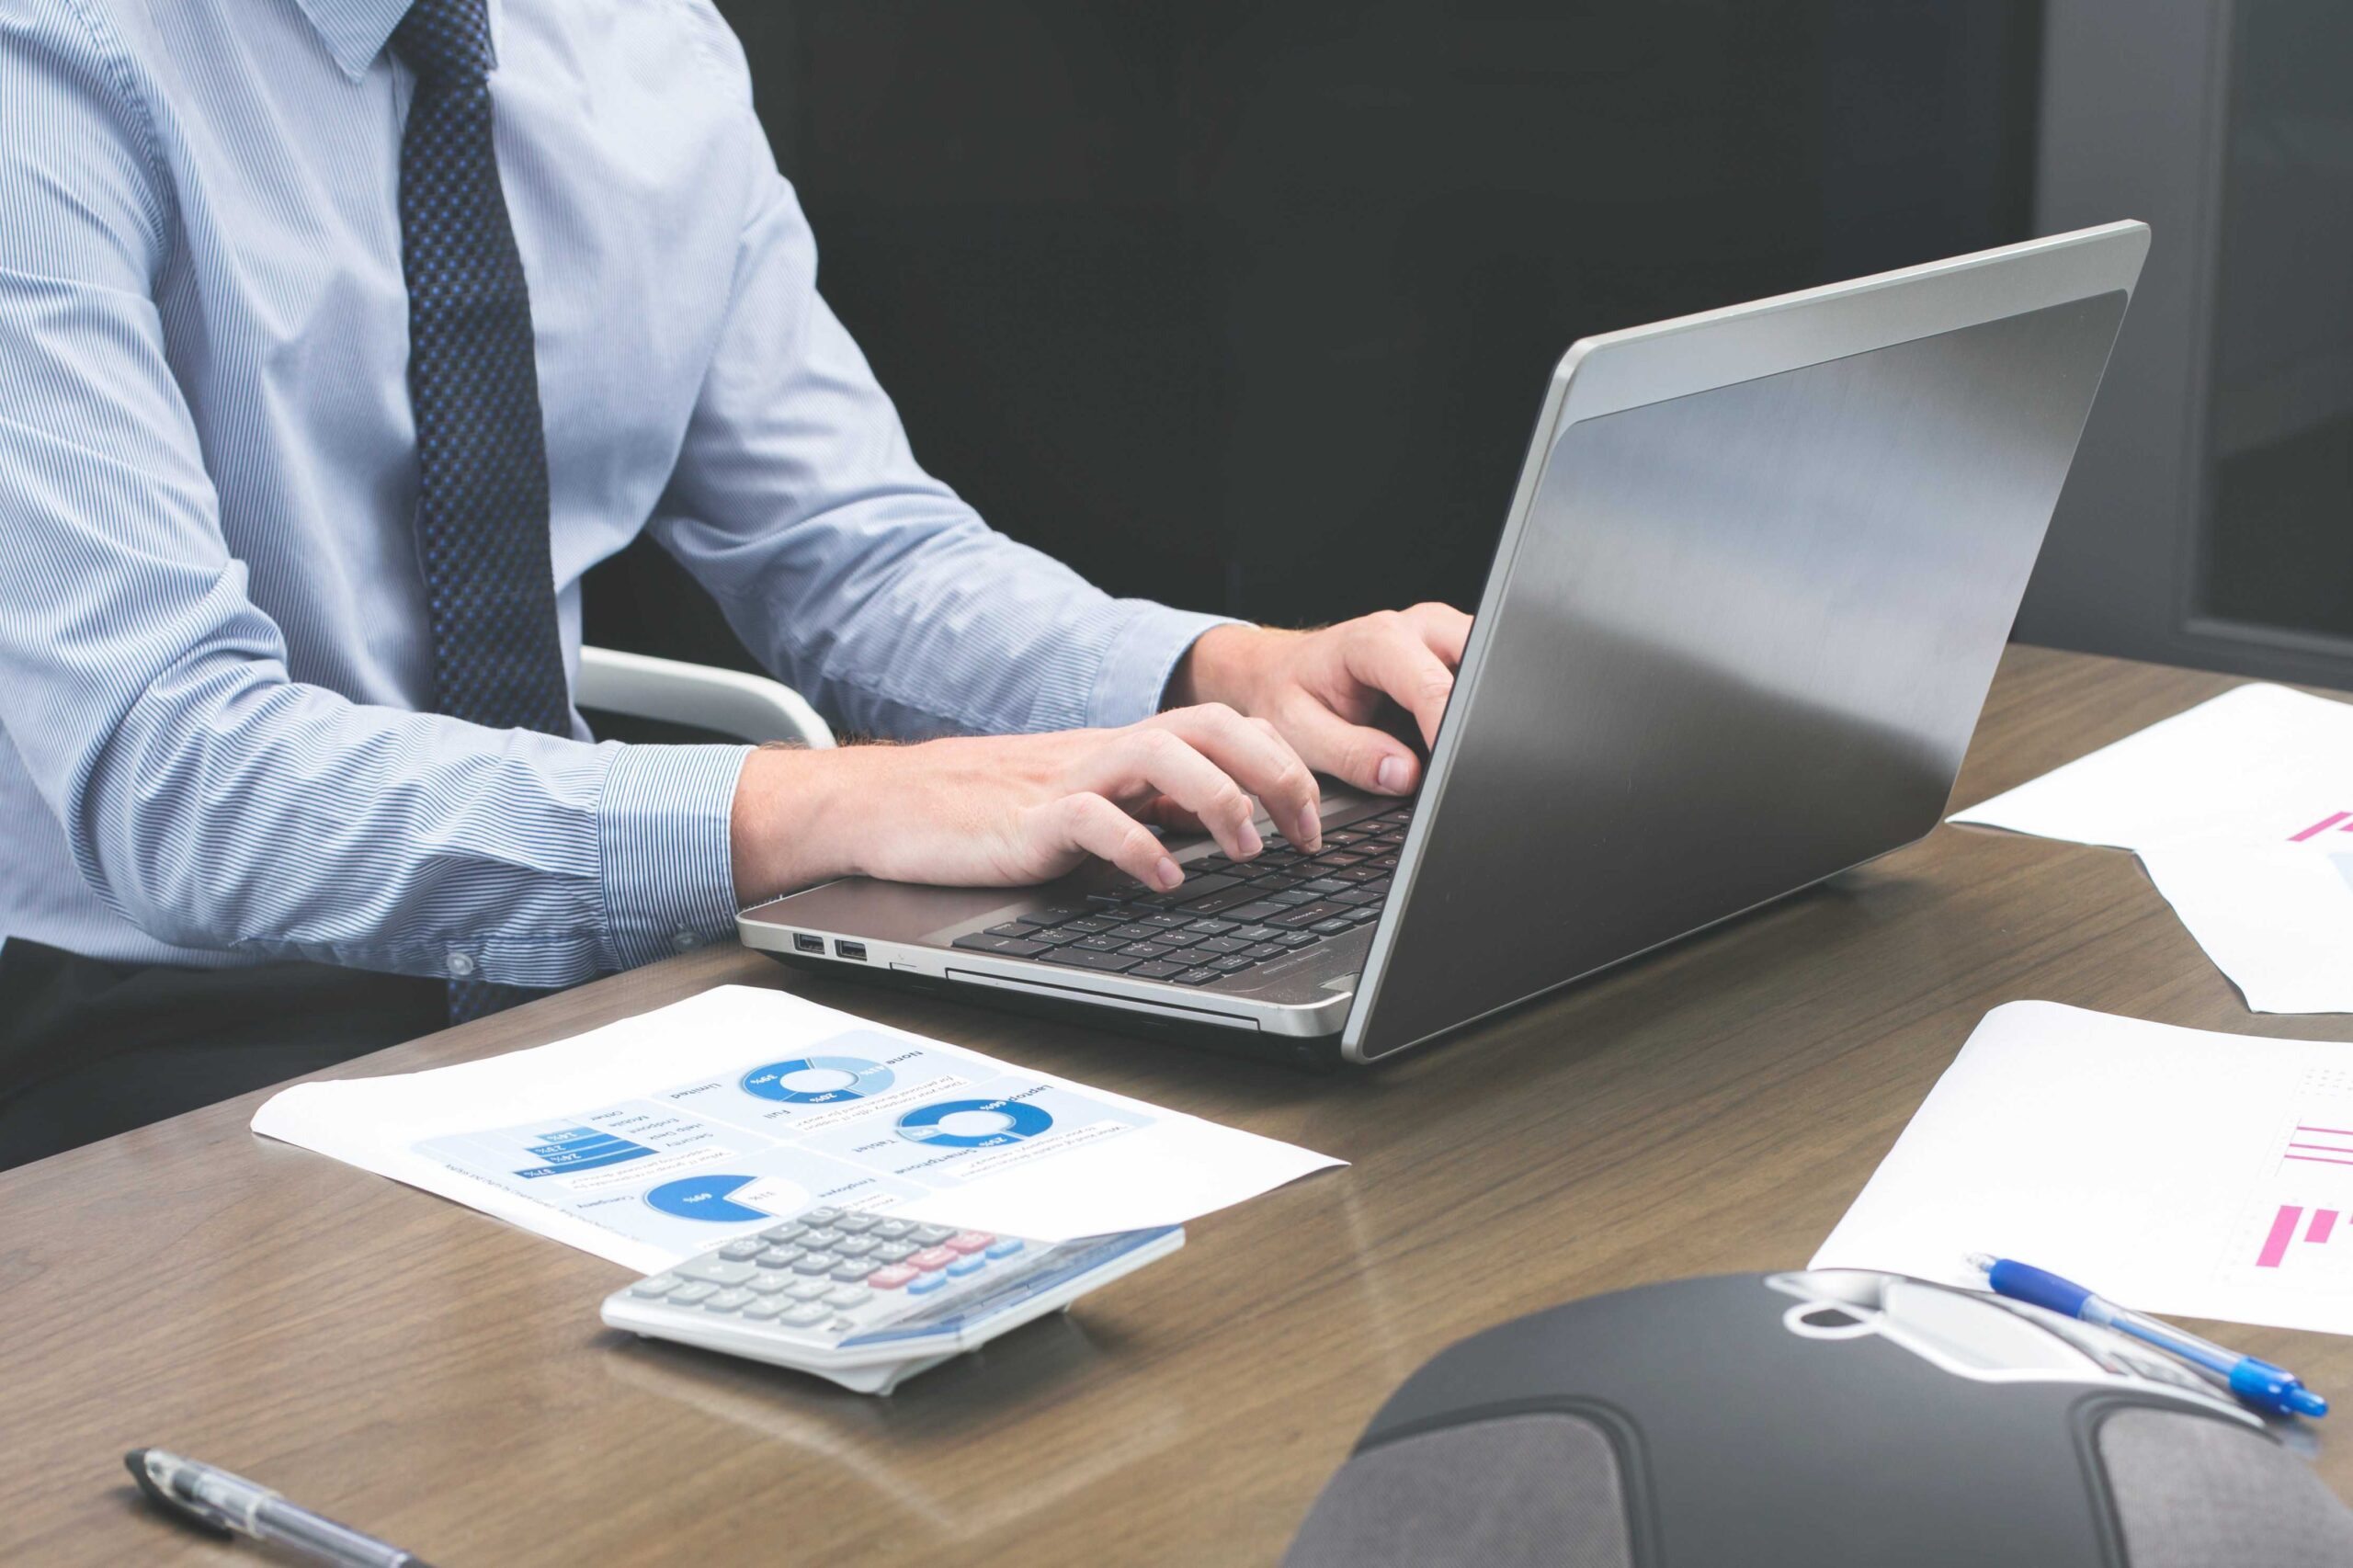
[{"x": 236, "y": 1505}]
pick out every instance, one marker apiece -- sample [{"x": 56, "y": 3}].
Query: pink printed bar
[
  {"x": 2323, "y": 1223},
  {"x": 2321, "y": 826},
  {"x": 2283, "y": 1230}
]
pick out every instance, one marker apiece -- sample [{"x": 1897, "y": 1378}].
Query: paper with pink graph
[
  {"x": 2175, "y": 1170},
  {"x": 2241, "y": 809}
]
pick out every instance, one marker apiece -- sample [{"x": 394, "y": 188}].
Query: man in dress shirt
[{"x": 337, "y": 339}]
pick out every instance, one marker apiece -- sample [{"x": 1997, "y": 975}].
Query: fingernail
[
  {"x": 1394, "y": 774},
  {"x": 1251, "y": 842},
  {"x": 1166, "y": 874}
]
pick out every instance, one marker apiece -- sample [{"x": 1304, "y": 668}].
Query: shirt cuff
[
  {"x": 668, "y": 871},
  {"x": 1115, "y": 666}
]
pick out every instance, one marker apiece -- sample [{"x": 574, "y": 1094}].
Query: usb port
[
  {"x": 850, "y": 949},
  {"x": 802, "y": 942}
]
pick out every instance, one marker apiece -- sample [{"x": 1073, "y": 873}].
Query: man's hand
[
  {"x": 1005, "y": 810},
  {"x": 1322, "y": 689}
]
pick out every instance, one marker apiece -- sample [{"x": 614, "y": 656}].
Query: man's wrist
[
  {"x": 1220, "y": 667},
  {"x": 788, "y": 827}
]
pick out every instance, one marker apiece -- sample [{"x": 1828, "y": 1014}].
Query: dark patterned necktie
[{"x": 482, "y": 510}]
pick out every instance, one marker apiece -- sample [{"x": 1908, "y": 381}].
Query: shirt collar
[{"x": 355, "y": 31}]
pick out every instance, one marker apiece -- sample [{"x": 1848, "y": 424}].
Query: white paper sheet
[
  {"x": 2242, "y": 811},
  {"x": 2174, "y": 1170},
  {"x": 664, "y": 1135}
]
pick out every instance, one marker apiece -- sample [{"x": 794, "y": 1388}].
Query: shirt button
[
  {"x": 684, "y": 941},
  {"x": 461, "y": 965}
]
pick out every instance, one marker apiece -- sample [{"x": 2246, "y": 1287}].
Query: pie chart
[
  {"x": 707, "y": 1197},
  {"x": 817, "y": 1080},
  {"x": 974, "y": 1124}
]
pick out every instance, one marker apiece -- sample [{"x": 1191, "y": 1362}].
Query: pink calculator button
[
  {"x": 968, "y": 1241},
  {"x": 932, "y": 1257},
  {"x": 891, "y": 1279}
]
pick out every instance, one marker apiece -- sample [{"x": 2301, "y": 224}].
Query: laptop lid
[{"x": 1753, "y": 585}]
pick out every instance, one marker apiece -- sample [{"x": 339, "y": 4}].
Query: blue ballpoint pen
[{"x": 2256, "y": 1382}]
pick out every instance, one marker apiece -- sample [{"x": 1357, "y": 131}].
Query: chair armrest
[{"x": 750, "y": 708}]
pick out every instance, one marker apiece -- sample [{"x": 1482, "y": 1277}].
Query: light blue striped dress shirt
[{"x": 213, "y": 647}]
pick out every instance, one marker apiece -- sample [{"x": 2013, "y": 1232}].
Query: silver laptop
[{"x": 1756, "y": 575}]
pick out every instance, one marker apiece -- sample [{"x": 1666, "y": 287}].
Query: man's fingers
[
  {"x": 1258, "y": 758},
  {"x": 1367, "y": 759},
  {"x": 1444, "y": 628},
  {"x": 1152, "y": 759},
  {"x": 1089, "y": 823},
  {"x": 1388, "y": 654}
]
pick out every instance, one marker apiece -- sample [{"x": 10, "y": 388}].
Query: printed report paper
[
  {"x": 663, "y": 1136},
  {"x": 2178, "y": 1171},
  {"x": 2242, "y": 811}
]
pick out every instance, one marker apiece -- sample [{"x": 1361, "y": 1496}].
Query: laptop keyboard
[{"x": 1226, "y": 917}]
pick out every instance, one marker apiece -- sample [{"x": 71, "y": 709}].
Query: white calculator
[{"x": 866, "y": 1300}]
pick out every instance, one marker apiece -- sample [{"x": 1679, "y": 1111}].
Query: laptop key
[
  {"x": 1086, "y": 958},
  {"x": 1310, "y": 914},
  {"x": 1165, "y": 921},
  {"x": 1021, "y": 926},
  {"x": 1197, "y": 977},
  {"x": 1089, "y": 925},
  {"x": 1223, "y": 899},
  {"x": 1291, "y": 941},
  {"x": 1156, "y": 969},
  {"x": 1322, "y": 886},
  {"x": 1004, "y": 946},
  {"x": 1136, "y": 931},
  {"x": 1289, "y": 898},
  {"x": 1211, "y": 928},
  {"x": 1146, "y": 949},
  {"x": 1259, "y": 952},
  {"x": 1357, "y": 898},
  {"x": 1258, "y": 909},
  {"x": 1333, "y": 928}
]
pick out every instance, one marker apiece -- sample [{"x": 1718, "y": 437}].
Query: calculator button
[
  {"x": 768, "y": 1281},
  {"x": 853, "y": 1271},
  {"x": 854, "y": 1225},
  {"x": 725, "y": 1301},
  {"x": 932, "y": 1257},
  {"x": 965, "y": 1266},
  {"x": 716, "y": 1271},
  {"x": 893, "y": 1277},
  {"x": 760, "y": 1307},
  {"x": 850, "y": 1296},
  {"x": 892, "y": 1251},
  {"x": 821, "y": 1239},
  {"x": 930, "y": 1235},
  {"x": 691, "y": 1292},
  {"x": 779, "y": 1257},
  {"x": 809, "y": 1290},
  {"x": 802, "y": 1316},
  {"x": 790, "y": 1230},
  {"x": 820, "y": 1216},
  {"x": 924, "y": 1284},
  {"x": 854, "y": 1246},
  {"x": 660, "y": 1285},
  {"x": 742, "y": 1251},
  {"x": 814, "y": 1263},
  {"x": 968, "y": 1241},
  {"x": 1006, "y": 1246},
  {"x": 890, "y": 1229}
]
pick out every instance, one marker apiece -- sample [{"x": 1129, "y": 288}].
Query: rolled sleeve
[{"x": 668, "y": 872}]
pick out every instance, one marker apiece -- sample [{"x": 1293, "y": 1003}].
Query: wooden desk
[{"x": 425, "y": 1373}]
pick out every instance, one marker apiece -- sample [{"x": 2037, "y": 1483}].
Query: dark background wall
[{"x": 1247, "y": 304}]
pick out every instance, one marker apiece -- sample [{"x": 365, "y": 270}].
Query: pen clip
[{"x": 203, "y": 1515}]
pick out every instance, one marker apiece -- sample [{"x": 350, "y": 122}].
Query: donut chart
[
  {"x": 1022, "y": 1119},
  {"x": 706, "y": 1197},
  {"x": 865, "y": 1078}
]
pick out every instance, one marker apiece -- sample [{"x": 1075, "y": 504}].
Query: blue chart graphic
[
  {"x": 570, "y": 1150},
  {"x": 1022, "y": 1119},
  {"x": 704, "y": 1197},
  {"x": 865, "y": 1078}
]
